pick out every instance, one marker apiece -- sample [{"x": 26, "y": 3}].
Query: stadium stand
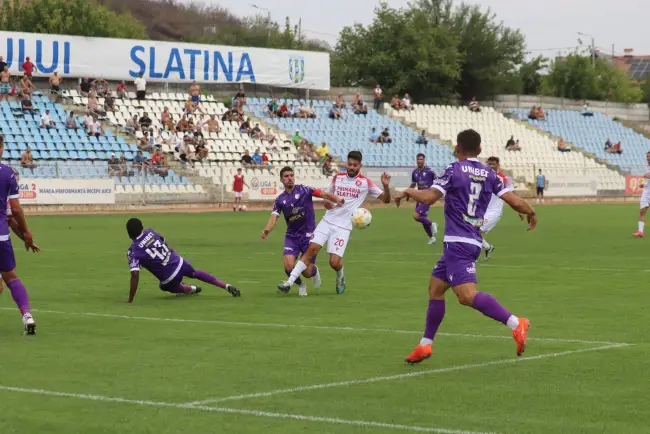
[
  {"x": 353, "y": 133},
  {"x": 538, "y": 151},
  {"x": 591, "y": 132}
]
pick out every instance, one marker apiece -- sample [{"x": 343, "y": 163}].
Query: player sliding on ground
[
  {"x": 150, "y": 251},
  {"x": 298, "y": 208},
  {"x": 334, "y": 229},
  {"x": 423, "y": 178},
  {"x": 645, "y": 200},
  {"x": 467, "y": 186}
]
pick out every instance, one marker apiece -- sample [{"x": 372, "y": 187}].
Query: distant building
[{"x": 637, "y": 67}]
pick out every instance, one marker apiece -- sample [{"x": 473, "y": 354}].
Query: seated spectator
[
  {"x": 307, "y": 152},
  {"x": 137, "y": 162},
  {"x": 256, "y": 132},
  {"x": 157, "y": 155},
  {"x": 201, "y": 149},
  {"x": 199, "y": 127},
  {"x": 145, "y": 142},
  {"x": 272, "y": 108},
  {"x": 327, "y": 167},
  {"x": 265, "y": 159},
  {"x": 562, "y": 147},
  {"x": 240, "y": 98},
  {"x": 46, "y": 121},
  {"x": 97, "y": 129},
  {"x": 257, "y": 158},
  {"x": 395, "y": 103},
  {"x": 185, "y": 151},
  {"x": 167, "y": 120},
  {"x": 109, "y": 102},
  {"x": 292, "y": 111},
  {"x": 361, "y": 110},
  {"x": 161, "y": 168},
  {"x": 147, "y": 166},
  {"x": 183, "y": 124},
  {"x": 89, "y": 121},
  {"x": 586, "y": 111},
  {"x": 335, "y": 113},
  {"x": 227, "y": 115},
  {"x": 385, "y": 136},
  {"x": 406, "y": 102},
  {"x": 269, "y": 137},
  {"x": 238, "y": 114},
  {"x": 121, "y": 91},
  {"x": 375, "y": 136},
  {"x": 124, "y": 166},
  {"x": 615, "y": 149},
  {"x": 71, "y": 121},
  {"x": 93, "y": 105},
  {"x": 85, "y": 86},
  {"x": 608, "y": 144},
  {"x": 422, "y": 138},
  {"x": 246, "y": 159},
  {"x": 311, "y": 111},
  {"x": 340, "y": 102},
  {"x": 27, "y": 106},
  {"x": 541, "y": 116},
  {"x": 296, "y": 138},
  {"x": 510, "y": 143},
  {"x": 357, "y": 101},
  {"x": 132, "y": 125},
  {"x": 114, "y": 167},
  {"x": 302, "y": 112},
  {"x": 27, "y": 159},
  {"x": 283, "y": 111},
  {"x": 101, "y": 86},
  {"x": 145, "y": 121},
  {"x": 323, "y": 152},
  {"x": 245, "y": 127},
  {"x": 213, "y": 125},
  {"x": 474, "y": 105},
  {"x": 513, "y": 145},
  {"x": 532, "y": 114}
]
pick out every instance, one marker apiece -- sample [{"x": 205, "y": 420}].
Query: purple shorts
[
  {"x": 296, "y": 246},
  {"x": 186, "y": 271},
  {"x": 458, "y": 264},
  {"x": 422, "y": 209},
  {"x": 7, "y": 258}
]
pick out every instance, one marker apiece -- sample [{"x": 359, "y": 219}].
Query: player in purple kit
[
  {"x": 149, "y": 250},
  {"x": 423, "y": 178},
  {"x": 298, "y": 209},
  {"x": 467, "y": 186},
  {"x": 9, "y": 194}
]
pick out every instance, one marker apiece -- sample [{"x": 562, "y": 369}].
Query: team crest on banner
[{"x": 296, "y": 68}]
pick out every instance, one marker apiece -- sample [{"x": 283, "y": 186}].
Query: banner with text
[
  {"x": 634, "y": 184},
  {"x": 268, "y": 187},
  {"x": 125, "y": 59},
  {"x": 572, "y": 186},
  {"x": 40, "y": 191}
]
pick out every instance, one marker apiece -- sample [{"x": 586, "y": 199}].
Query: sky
[{"x": 549, "y": 25}]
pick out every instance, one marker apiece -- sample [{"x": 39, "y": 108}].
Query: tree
[
  {"x": 68, "y": 17},
  {"x": 530, "y": 75}
]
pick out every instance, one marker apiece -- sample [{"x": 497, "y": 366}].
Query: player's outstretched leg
[
  {"x": 181, "y": 289},
  {"x": 429, "y": 227},
  {"x": 435, "y": 315},
  {"x": 299, "y": 268},
  {"x": 302, "y": 287},
  {"x": 206, "y": 277},
  {"x": 19, "y": 294},
  {"x": 488, "y": 249},
  {"x": 642, "y": 214},
  {"x": 336, "y": 262}
]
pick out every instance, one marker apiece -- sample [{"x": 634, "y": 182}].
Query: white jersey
[
  {"x": 646, "y": 184},
  {"x": 354, "y": 191},
  {"x": 496, "y": 204}
]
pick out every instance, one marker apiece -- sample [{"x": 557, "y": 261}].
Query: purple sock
[
  {"x": 298, "y": 280},
  {"x": 208, "y": 278},
  {"x": 315, "y": 271},
  {"x": 181, "y": 289},
  {"x": 19, "y": 294},
  {"x": 427, "y": 225},
  {"x": 489, "y": 306},
  {"x": 435, "y": 314}
]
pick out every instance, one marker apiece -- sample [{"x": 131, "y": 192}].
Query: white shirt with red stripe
[
  {"x": 496, "y": 204},
  {"x": 354, "y": 191}
]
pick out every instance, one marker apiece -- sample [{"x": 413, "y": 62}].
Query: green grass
[{"x": 579, "y": 276}]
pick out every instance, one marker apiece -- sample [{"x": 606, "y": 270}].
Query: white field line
[
  {"x": 258, "y": 413},
  {"x": 309, "y": 327},
  {"x": 530, "y": 267},
  {"x": 402, "y": 376}
]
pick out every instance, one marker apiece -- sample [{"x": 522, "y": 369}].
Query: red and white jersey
[
  {"x": 496, "y": 204},
  {"x": 354, "y": 191},
  {"x": 238, "y": 184}
]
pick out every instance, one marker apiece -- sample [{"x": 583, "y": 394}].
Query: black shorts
[
  {"x": 141, "y": 94},
  {"x": 540, "y": 191}
]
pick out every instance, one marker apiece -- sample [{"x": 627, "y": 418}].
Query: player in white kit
[
  {"x": 645, "y": 200},
  {"x": 334, "y": 229},
  {"x": 495, "y": 207}
]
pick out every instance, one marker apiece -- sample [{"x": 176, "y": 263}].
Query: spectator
[
  {"x": 246, "y": 159},
  {"x": 213, "y": 125},
  {"x": 147, "y": 166},
  {"x": 307, "y": 152},
  {"x": 615, "y": 149},
  {"x": 335, "y": 113},
  {"x": 586, "y": 111},
  {"x": 379, "y": 95},
  {"x": 124, "y": 166},
  {"x": 513, "y": 145},
  {"x": 510, "y": 142},
  {"x": 608, "y": 144},
  {"x": 132, "y": 125},
  {"x": 46, "y": 121},
  {"x": 97, "y": 129},
  {"x": 340, "y": 102},
  {"x": 55, "y": 83},
  {"x": 422, "y": 138},
  {"x": 185, "y": 151},
  {"x": 283, "y": 111},
  {"x": 195, "y": 93},
  {"x": 532, "y": 114},
  {"x": 85, "y": 86},
  {"x": 395, "y": 103},
  {"x": 183, "y": 124},
  {"x": 272, "y": 107},
  {"x": 157, "y": 155},
  {"x": 562, "y": 147},
  {"x": 361, "y": 110},
  {"x": 385, "y": 136},
  {"x": 311, "y": 112},
  {"x": 198, "y": 128},
  {"x": 291, "y": 113},
  {"x": 114, "y": 168},
  {"x": 166, "y": 120},
  {"x": 27, "y": 87},
  {"x": 5, "y": 83},
  {"x": 265, "y": 159},
  {"x": 27, "y": 106},
  {"x": 296, "y": 138},
  {"x": 101, "y": 86},
  {"x": 89, "y": 121},
  {"x": 137, "y": 162},
  {"x": 109, "y": 102},
  {"x": 145, "y": 120},
  {"x": 121, "y": 90},
  {"x": 28, "y": 68},
  {"x": 240, "y": 98},
  {"x": 541, "y": 116},
  {"x": 238, "y": 114},
  {"x": 269, "y": 137},
  {"x": 27, "y": 159},
  {"x": 245, "y": 127},
  {"x": 375, "y": 136},
  {"x": 161, "y": 167},
  {"x": 357, "y": 101},
  {"x": 327, "y": 167},
  {"x": 3, "y": 64},
  {"x": 406, "y": 102},
  {"x": 257, "y": 158},
  {"x": 257, "y": 132},
  {"x": 93, "y": 103},
  {"x": 71, "y": 121},
  {"x": 474, "y": 105},
  {"x": 140, "y": 87},
  {"x": 323, "y": 152},
  {"x": 227, "y": 115}
]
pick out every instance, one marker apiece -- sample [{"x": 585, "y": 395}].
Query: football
[
  {"x": 361, "y": 218},
  {"x": 244, "y": 207}
]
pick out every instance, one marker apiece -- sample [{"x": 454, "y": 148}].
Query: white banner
[
  {"x": 572, "y": 186},
  {"x": 268, "y": 187},
  {"x": 41, "y": 191},
  {"x": 125, "y": 59}
]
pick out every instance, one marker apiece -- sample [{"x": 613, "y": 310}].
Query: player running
[
  {"x": 645, "y": 200},
  {"x": 150, "y": 251},
  {"x": 9, "y": 194},
  {"x": 334, "y": 229},
  {"x": 467, "y": 186},
  {"x": 298, "y": 209},
  {"x": 423, "y": 177},
  {"x": 238, "y": 188},
  {"x": 495, "y": 207}
]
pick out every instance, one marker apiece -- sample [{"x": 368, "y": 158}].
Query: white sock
[
  {"x": 339, "y": 274},
  {"x": 297, "y": 271},
  {"x": 641, "y": 226},
  {"x": 426, "y": 341},
  {"x": 513, "y": 322},
  {"x": 486, "y": 245}
]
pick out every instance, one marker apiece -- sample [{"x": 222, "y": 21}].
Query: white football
[
  {"x": 244, "y": 207},
  {"x": 361, "y": 218}
]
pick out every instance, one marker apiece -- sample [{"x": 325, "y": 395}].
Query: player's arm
[
  {"x": 135, "y": 280},
  {"x": 270, "y": 225},
  {"x": 428, "y": 197},
  {"x": 521, "y": 206},
  {"x": 21, "y": 223},
  {"x": 329, "y": 197},
  {"x": 385, "y": 182}
]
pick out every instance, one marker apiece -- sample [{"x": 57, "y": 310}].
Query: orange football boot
[
  {"x": 420, "y": 353},
  {"x": 520, "y": 334},
  {"x": 638, "y": 234}
]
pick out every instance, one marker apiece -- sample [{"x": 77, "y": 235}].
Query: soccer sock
[
  {"x": 489, "y": 306},
  {"x": 340, "y": 274},
  {"x": 435, "y": 314},
  {"x": 315, "y": 271},
  {"x": 19, "y": 294},
  {"x": 426, "y": 223},
  {"x": 486, "y": 245},
  {"x": 208, "y": 278},
  {"x": 298, "y": 280},
  {"x": 180, "y": 289},
  {"x": 641, "y": 226},
  {"x": 296, "y": 272}
]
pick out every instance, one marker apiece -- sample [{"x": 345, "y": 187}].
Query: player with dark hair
[
  {"x": 467, "y": 186},
  {"x": 334, "y": 229},
  {"x": 423, "y": 178},
  {"x": 149, "y": 250},
  {"x": 9, "y": 199},
  {"x": 295, "y": 202}
]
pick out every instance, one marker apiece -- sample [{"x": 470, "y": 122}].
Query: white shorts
[
  {"x": 645, "y": 200},
  {"x": 335, "y": 237},
  {"x": 490, "y": 220},
  {"x": 239, "y": 194}
]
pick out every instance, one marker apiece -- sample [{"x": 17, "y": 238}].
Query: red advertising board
[{"x": 634, "y": 184}]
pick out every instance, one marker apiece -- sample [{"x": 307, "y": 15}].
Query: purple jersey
[
  {"x": 150, "y": 252},
  {"x": 8, "y": 190},
  {"x": 423, "y": 178},
  {"x": 298, "y": 210},
  {"x": 468, "y": 186}
]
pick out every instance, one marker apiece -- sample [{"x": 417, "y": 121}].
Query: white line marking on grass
[
  {"x": 402, "y": 376},
  {"x": 311, "y": 327},
  {"x": 530, "y": 267},
  {"x": 258, "y": 413}
]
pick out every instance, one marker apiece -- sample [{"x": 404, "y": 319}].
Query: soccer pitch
[{"x": 327, "y": 363}]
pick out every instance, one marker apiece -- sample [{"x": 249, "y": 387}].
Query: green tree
[
  {"x": 530, "y": 75},
  {"x": 68, "y": 17}
]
